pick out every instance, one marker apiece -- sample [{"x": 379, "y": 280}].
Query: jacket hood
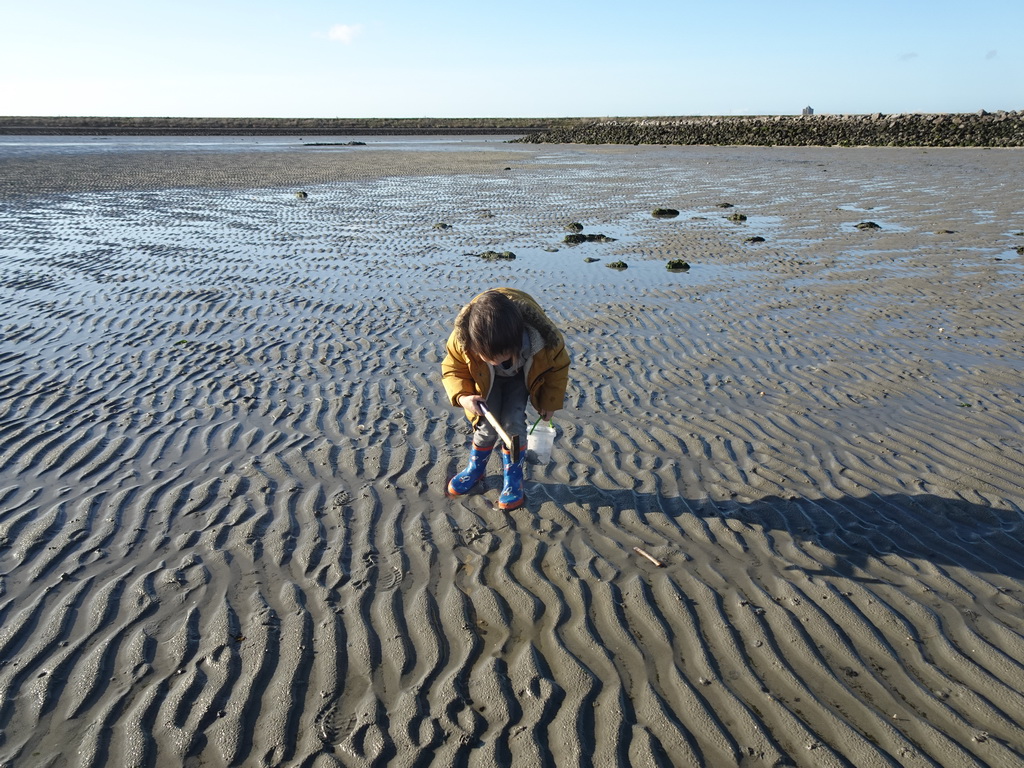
[{"x": 533, "y": 316}]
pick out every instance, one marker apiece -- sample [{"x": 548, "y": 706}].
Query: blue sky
[{"x": 529, "y": 58}]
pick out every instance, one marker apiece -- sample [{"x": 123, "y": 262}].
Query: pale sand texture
[{"x": 223, "y": 448}]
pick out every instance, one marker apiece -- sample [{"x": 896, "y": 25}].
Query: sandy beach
[{"x": 224, "y": 539}]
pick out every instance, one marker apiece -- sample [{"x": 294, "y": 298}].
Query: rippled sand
[{"x": 223, "y": 448}]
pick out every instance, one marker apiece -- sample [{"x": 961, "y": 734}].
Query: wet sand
[{"x": 223, "y": 448}]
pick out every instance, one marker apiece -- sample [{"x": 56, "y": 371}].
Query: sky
[{"x": 528, "y": 58}]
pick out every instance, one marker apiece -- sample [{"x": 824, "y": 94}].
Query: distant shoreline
[
  {"x": 980, "y": 129},
  {"x": 172, "y": 126}
]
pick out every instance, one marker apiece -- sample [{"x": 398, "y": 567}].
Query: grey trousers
[{"x": 507, "y": 401}]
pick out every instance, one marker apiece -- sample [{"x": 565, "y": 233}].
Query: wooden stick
[
  {"x": 512, "y": 446},
  {"x": 649, "y": 557}
]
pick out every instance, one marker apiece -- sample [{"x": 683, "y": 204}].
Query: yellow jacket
[{"x": 547, "y": 372}]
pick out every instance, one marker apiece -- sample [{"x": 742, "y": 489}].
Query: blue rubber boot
[
  {"x": 512, "y": 495},
  {"x": 463, "y": 482}
]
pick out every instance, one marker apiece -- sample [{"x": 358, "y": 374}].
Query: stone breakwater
[{"x": 981, "y": 129}]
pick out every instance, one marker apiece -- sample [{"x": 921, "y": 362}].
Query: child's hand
[
  {"x": 546, "y": 415},
  {"x": 471, "y": 403}
]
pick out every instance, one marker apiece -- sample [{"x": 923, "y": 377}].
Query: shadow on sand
[{"x": 855, "y": 530}]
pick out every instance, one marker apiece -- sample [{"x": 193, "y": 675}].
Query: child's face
[{"x": 496, "y": 361}]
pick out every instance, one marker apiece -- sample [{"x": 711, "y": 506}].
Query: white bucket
[{"x": 540, "y": 441}]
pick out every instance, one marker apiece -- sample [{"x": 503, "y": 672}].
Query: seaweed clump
[
  {"x": 577, "y": 238},
  {"x": 498, "y": 256},
  {"x": 677, "y": 265}
]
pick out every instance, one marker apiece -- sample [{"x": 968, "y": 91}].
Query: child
[{"x": 503, "y": 352}]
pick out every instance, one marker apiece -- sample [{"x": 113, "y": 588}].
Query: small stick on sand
[{"x": 653, "y": 559}]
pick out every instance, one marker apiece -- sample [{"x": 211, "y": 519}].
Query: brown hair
[{"x": 495, "y": 326}]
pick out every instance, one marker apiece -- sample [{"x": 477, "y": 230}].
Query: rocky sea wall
[
  {"x": 981, "y": 129},
  {"x": 977, "y": 129}
]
